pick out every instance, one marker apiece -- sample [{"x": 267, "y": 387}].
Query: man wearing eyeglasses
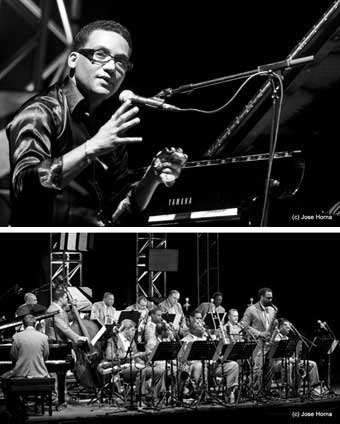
[{"x": 68, "y": 150}]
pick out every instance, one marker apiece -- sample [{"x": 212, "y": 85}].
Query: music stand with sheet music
[
  {"x": 212, "y": 320},
  {"x": 201, "y": 350},
  {"x": 165, "y": 351},
  {"x": 236, "y": 351},
  {"x": 283, "y": 349},
  {"x": 326, "y": 346},
  {"x": 131, "y": 315}
]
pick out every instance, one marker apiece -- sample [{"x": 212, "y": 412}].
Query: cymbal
[{"x": 31, "y": 309}]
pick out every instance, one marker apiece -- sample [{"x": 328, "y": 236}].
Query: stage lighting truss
[
  {"x": 39, "y": 18},
  {"x": 149, "y": 283},
  {"x": 208, "y": 266}
]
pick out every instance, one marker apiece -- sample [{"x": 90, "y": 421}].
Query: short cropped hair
[
  {"x": 29, "y": 320},
  {"x": 58, "y": 294},
  {"x": 263, "y": 291},
  {"x": 83, "y": 35}
]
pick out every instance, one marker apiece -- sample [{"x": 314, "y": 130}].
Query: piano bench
[{"x": 27, "y": 387}]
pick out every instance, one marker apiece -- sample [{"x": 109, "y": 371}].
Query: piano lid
[{"x": 302, "y": 85}]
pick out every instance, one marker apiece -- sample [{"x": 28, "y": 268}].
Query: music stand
[
  {"x": 238, "y": 351},
  {"x": 131, "y": 315},
  {"x": 283, "y": 349},
  {"x": 201, "y": 350},
  {"x": 213, "y": 320},
  {"x": 326, "y": 346},
  {"x": 165, "y": 351}
]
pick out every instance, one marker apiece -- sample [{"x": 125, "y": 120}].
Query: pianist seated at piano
[{"x": 29, "y": 351}]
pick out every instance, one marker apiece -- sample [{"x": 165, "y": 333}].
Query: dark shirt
[{"x": 45, "y": 128}]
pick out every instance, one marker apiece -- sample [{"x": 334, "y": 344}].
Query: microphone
[
  {"x": 322, "y": 325},
  {"x": 153, "y": 102},
  {"x": 288, "y": 63},
  {"x": 186, "y": 304}
]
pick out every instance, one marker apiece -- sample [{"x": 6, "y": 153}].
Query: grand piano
[
  {"x": 60, "y": 358},
  {"x": 226, "y": 187}
]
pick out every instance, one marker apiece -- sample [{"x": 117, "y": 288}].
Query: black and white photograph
[
  {"x": 163, "y": 326},
  {"x": 169, "y": 211},
  {"x": 222, "y": 114}
]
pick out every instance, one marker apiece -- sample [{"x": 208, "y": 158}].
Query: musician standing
[
  {"x": 104, "y": 311},
  {"x": 259, "y": 320},
  {"x": 171, "y": 305},
  {"x": 29, "y": 351},
  {"x": 58, "y": 327}
]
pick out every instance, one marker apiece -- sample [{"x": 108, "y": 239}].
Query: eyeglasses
[{"x": 100, "y": 56}]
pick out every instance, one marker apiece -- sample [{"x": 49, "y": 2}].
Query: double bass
[{"x": 87, "y": 355}]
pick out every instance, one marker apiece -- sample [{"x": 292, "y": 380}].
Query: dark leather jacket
[{"x": 45, "y": 128}]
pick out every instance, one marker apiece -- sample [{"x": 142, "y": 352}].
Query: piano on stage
[
  {"x": 60, "y": 359},
  {"x": 225, "y": 191},
  {"x": 227, "y": 186}
]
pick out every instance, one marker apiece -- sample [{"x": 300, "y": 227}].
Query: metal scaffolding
[
  {"x": 208, "y": 266},
  {"x": 149, "y": 283},
  {"x": 39, "y": 17}
]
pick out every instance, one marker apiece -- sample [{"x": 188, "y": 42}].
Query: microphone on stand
[
  {"x": 322, "y": 325},
  {"x": 152, "y": 102},
  {"x": 186, "y": 305}
]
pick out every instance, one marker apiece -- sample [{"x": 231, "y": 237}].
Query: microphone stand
[
  {"x": 329, "y": 353},
  {"x": 188, "y": 88},
  {"x": 129, "y": 354},
  {"x": 277, "y": 94},
  {"x": 307, "y": 345}
]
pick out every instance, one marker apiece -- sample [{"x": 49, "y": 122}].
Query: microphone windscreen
[{"x": 125, "y": 95}]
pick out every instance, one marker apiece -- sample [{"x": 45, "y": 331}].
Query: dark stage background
[
  {"x": 302, "y": 270},
  {"x": 186, "y": 42}
]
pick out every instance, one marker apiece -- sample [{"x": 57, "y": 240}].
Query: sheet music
[{"x": 98, "y": 335}]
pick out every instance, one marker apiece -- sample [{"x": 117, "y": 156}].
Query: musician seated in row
[
  {"x": 104, "y": 311},
  {"x": 212, "y": 307},
  {"x": 29, "y": 351},
  {"x": 140, "y": 306},
  {"x": 133, "y": 364},
  {"x": 296, "y": 367},
  {"x": 193, "y": 368},
  {"x": 150, "y": 337},
  {"x": 171, "y": 305},
  {"x": 232, "y": 328}
]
